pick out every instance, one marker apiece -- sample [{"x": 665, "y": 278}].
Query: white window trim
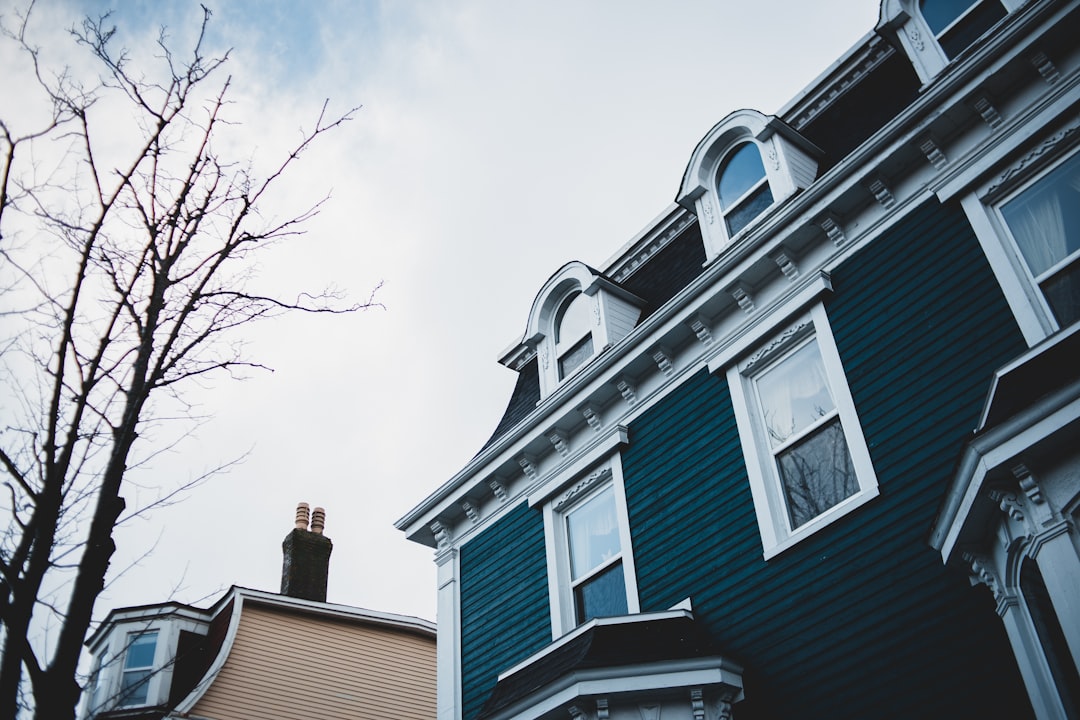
[
  {"x": 904, "y": 17},
  {"x": 769, "y": 505},
  {"x": 156, "y": 666},
  {"x": 560, "y": 593},
  {"x": 1021, "y": 290}
]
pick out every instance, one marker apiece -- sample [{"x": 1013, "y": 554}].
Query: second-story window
[
  {"x": 743, "y": 187},
  {"x": 573, "y": 333},
  {"x": 138, "y": 668},
  {"x": 596, "y": 572},
  {"x": 1044, "y": 222},
  {"x": 956, "y": 24}
]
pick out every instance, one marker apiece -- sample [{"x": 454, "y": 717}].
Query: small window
[
  {"x": 805, "y": 435},
  {"x": 573, "y": 333},
  {"x": 957, "y": 24},
  {"x": 596, "y": 572},
  {"x": 1044, "y": 222},
  {"x": 806, "y": 458},
  {"x": 743, "y": 187},
  {"x": 138, "y": 668}
]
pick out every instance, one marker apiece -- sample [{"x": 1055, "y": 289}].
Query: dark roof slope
[{"x": 605, "y": 646}]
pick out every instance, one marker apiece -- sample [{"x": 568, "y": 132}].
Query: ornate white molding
[
  {"x": 830, "y": 224},
  {"x": 498, "y": 489},
  {"x": 836, "y": 86},
  {"x": 629, "y": 394},
  {"x": 697, "y": 703},
  {"x": 987, "y": 112},
  {"x": 745, "y": 300},
  {"x": 775, "y": 344},
  {"x": 442, "y": 534},
  {"x": 592, "y": 416},
  {"x": 582, "y": 486},
  {"x": 1028, "y": 483},
  {"x": 558, "y": 440},
  {"x": 1046, "y": 146},
  {"x": 663, "y": 359},
  {"x": 602, "y": 711},
  {"x": 576, "y": 713},
  {"x": 650, "y": 248},
  {"x": 1009, "y": 504},
  {"x": 881, "y": 192},
  {"x": 1046, "y": 68},
  {"x": 933, "y": 153},
  {"x": 786, "y": 265},
  {"x": 701, "y": 329},
  {"x": 915, "y": 37},
  {"x": 649, "y": 712},
  {"x": 471, "y": 511},
  {"x": 983, "y": 573},
  {"x": 528, "y": 466}
]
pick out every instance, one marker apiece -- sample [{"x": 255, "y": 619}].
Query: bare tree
[{"x": 126, "y": 276}]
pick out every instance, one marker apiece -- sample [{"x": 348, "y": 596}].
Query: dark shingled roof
[
  {"x": 522, "y": 401},
  {"x": 605, "y": 646}
]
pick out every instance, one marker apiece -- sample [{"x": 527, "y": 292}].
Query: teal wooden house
[{"x": 809, "y": 446}]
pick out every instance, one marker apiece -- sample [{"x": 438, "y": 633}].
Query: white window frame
[
  {"x": 905, "y": 18},
  {"x": 152, "y": 667},
  {"x": 560, "y": 584},
  {"x": 762, "y": 472},
  {"x": 1019, "y": 285}
]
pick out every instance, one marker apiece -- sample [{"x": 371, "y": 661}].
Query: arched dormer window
[
  {"x": 745, "y": 166},
  {"x": 956, "y": 24},
  {"x": 573, "y": 333},
  {"x": 934, "y": 32},
  {"x": 743, "y": 187},
  {"x": 577, "y": 315}
]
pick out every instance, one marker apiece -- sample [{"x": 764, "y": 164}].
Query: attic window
[
  {"x": 573, "y": 333},
  {"x": 956, "y": 24},
  {"x": 743, "y": 187},
  {"x": 138, "y": 668}
]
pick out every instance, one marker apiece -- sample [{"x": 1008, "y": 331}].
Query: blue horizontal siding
[
  {"x": 861, "y": 619},
  {"x": 504, "y": 602}
]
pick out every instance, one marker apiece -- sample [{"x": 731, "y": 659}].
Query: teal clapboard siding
[
  {"x": 505, "y": 616},
  {"x": 860, "y": 620}
]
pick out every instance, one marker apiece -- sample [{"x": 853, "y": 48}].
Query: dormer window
[
  {"x": 744, "y": 168},
  {"x": 138, "y": 668},
  {"x": 577, "y": 315},
  {"x": 956, "y": 24},
  {"x": 743, "y": 187},
  {"x": 935, "y": 32},
  {"x": 573, "y": 333}
]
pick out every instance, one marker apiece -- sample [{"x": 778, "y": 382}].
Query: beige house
[{"x": 256, "y": 654}]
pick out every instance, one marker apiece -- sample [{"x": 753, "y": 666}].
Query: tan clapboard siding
[{"x": 287, "y": 666}]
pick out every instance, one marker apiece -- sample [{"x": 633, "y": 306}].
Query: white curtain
[{"x": 1038, "y": 225}]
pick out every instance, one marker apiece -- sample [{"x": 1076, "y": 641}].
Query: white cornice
[{"x": 899, "y": 138}]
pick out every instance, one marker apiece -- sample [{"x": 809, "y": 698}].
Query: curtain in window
[{"x": 1038, "y": 225}]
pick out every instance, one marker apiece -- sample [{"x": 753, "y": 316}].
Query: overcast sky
[{"x": 498, "y": 139}]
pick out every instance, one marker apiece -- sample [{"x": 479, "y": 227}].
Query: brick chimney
[{"x": 306, "y": 564}]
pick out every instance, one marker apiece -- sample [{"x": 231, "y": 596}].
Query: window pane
[
  {"x": 140, "y": 652},
  {"x": 740, "y": 172},
  {"x": 593, "y": 533},
  {"x": 575, "y": 357},
  {"x": 601, "y": 596},
  {"x": 939, "y": 14},
  {"x": 794, "y": 394},
  {"x": 1063, "y": 293},
  {"x": 972, "y": 27},
  {"x": 1045, "y": 219},
  {"x": 136, "y": 684},
  {"x": 817, "y": 473},
  {"x": 749, "y": 209},
  {"x": 574, "y": 320}
]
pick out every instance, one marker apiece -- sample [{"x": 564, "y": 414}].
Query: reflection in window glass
[
  {"x": 573, "y": 333},
  {"x": 592, "y": 532},
  {"x": 958, "y": 23},
  {"x": 1044, "y": 220},
  {"x": 803, "y": 426},
  {"x": 742, "y": 187},
  {"x": 138, "y": 666}
]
